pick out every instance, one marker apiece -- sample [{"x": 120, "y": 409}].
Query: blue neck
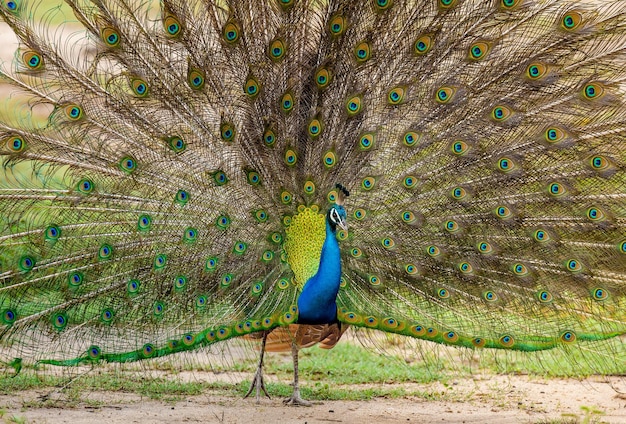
[{"x": 316, "y": 304}]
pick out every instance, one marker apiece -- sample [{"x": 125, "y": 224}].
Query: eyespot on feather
[
  {"x": 571, "y": 21},
  {"x": 171, "y": 25},
  {"x": 423, "y": 44}
]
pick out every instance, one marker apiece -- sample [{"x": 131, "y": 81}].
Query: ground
[{"x": 485, "y": 399}]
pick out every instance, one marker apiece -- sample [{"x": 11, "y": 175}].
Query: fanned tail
[{"x": 481, "y": 140}]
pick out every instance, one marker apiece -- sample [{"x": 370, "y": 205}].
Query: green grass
[
  {"x": 352, "y": 364},
  {"x": 327, "y": 375},
  {"x": 105, "y": 380},
  {"x": 347, "y": 372}
]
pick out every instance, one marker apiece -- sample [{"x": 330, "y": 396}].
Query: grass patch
[
  {"x": 328, "y": 375},
  {"x": 74, "y": 390},
  {"x": 347, "y": 372},
  {"x": 174, "y": 389},
  {"x": 324, "y": 391},
  {"x": 347, "y": 363}
]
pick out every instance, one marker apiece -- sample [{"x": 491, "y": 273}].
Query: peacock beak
[{"x": 343, "y": 225}]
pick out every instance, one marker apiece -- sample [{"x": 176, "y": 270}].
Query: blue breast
[{"x": 316, "y": 304}]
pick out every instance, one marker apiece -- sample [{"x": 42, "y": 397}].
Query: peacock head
[
  {"x": 337, "y": 213},
  {"x": 337, "y": 217}
]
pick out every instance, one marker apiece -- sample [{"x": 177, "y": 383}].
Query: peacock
[{"x": 188, "y": 172}]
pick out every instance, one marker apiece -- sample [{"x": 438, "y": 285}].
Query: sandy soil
[{"x": 495, "y": 399}]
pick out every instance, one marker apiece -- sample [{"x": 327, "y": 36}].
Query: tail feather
[{"x": 481, "y": 140}]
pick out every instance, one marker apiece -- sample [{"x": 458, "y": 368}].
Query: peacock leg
[
  {"x": 295, "y": 399},
  {"x": 257, "y": 381}
]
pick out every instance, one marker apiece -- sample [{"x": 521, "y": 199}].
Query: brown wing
[{"x": 281, "y": 338}]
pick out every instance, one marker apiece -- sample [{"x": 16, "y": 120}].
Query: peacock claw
[
  {"x": 296, "y": 400},
  {"x": 259, "y": 384}
]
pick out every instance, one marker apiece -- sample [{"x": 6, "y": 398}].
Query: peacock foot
[
  {"x": 258, "y": 384},
  {"x": 296, "y": 400}
]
